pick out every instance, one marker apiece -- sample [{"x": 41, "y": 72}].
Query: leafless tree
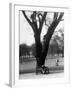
[{"x": 41, "y": 52}]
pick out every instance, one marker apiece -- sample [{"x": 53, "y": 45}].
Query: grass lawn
[{"x": 29, "y": 65}]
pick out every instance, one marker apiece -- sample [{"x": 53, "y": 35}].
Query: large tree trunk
[
  {"x": 44, "y": 54},
  {"x": 41, "y": 53},
  {"x": 38, "y": 49}
]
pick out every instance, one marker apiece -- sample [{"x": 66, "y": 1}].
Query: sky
[{"x": 26, "y": 32}]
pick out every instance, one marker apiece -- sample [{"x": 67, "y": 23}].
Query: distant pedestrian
[{"x": 57, "y": 62}]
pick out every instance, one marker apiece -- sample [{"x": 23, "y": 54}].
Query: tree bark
[{"x": 38, "y": 45}]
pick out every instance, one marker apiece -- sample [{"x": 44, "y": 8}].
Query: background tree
[
  {"x": 36, "y": 20},
  {"x": 24, "y": 50},
  {"x": 57, "y": 43}
]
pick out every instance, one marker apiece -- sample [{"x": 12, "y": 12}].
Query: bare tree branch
[
  {"x": 33, "y": 16},
  {"x": 53, "y": 26},
  {"x": 43, "y": 19},
  {"x": 60, "y": 16},
  {"x": 39, "y": 18},
  {"x": 55, "y": 15},
  {"x": 26, "y": 18},
  {"x": 33, "y": 24}
]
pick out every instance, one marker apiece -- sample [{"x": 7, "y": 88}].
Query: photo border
[{"x": 14, "y": 45}]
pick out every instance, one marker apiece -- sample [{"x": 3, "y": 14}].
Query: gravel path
[{"x": 41, "y": 76}]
